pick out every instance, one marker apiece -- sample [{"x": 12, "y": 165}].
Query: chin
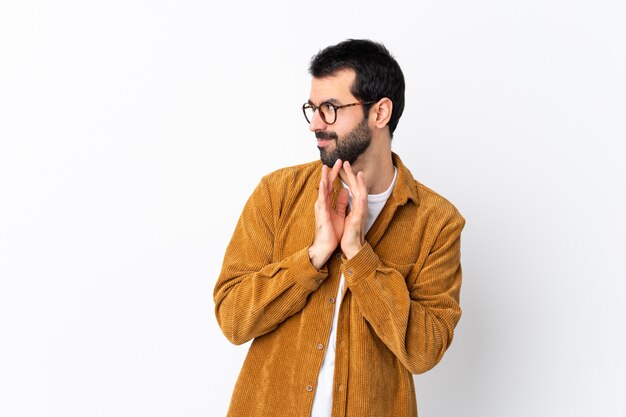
[{"x": 328, "y": 160}]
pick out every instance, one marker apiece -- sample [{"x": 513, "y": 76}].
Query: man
[{"x": 345, "y": 272}]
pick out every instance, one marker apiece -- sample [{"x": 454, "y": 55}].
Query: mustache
[{"x": 326, "y": 135}]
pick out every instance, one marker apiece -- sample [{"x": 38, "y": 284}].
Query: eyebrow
[{"x": 328, "y": 100}]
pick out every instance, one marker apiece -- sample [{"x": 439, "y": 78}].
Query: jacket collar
[{"x": 404, "y": 190}]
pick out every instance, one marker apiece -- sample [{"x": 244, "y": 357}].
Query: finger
[
  {"x": 360, "y": 178},
  {"x": 322, "y": 205},
  {"x": 323, "y": 182},
  {"x": 332, "y": 176},
  {"x": 342, "y": 202},
  {"x": 350, "y": 178},
  {"x": 358, "y": 189},
  {"x": 321, "y": 192},
  {"x": 337, "y": 166},
  {"x": 362, "y": 188}
]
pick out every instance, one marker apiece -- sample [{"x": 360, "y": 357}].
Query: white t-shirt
[{"x": 323, "y": 401}]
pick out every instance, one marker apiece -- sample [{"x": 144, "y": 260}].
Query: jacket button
[
  {"x": 331, "y": 300},
  {"x": 309, "y": 388},
  {"x": 349, "y": 271},
  {"x": 320, "y": 346},
  {"x": 338, "y": 256}
]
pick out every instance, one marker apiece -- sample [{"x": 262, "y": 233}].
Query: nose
[{"x": 317, "y": 123}]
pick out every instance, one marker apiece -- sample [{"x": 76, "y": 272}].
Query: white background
[{"x": 132, "y": 132}]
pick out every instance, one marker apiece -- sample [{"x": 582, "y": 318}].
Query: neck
[{"x": 377, "y": 166}]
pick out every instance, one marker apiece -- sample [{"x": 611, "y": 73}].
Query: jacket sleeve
[
  {"x": 416, "y": 323},
  {"x": 253, "y": 293}
]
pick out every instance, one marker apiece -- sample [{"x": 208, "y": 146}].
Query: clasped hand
[{"x": 332, "y": 226}]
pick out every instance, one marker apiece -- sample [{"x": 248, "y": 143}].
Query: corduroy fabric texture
[{"x": 397, "y": 314}]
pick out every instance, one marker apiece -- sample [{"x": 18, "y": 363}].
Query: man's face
[{"x": 350, "y": 135}]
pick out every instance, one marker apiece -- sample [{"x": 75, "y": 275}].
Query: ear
[{"x": 383, "y": 110}]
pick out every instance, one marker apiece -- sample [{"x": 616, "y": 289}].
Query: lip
[{"x": 324, "y": 142}]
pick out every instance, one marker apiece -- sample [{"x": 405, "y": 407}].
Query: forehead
[{"x": 334, "y": 88}]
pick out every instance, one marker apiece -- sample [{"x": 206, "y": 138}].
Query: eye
[{"x": 327, "y": 107}]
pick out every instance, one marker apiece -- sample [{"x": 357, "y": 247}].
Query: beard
[{"x": 349, "y": 147}]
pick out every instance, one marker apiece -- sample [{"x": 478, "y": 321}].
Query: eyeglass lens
[{"x": 327, "y": 113}]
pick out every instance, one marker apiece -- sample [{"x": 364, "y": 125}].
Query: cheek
[{"x": 344, "y": 129}]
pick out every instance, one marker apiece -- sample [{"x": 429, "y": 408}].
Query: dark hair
[{"x": 378, "y": 75}]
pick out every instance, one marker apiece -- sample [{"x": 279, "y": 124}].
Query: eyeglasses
[{"x": 328, "y": 111}]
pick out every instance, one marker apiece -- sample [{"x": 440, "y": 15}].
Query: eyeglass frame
[{"x": 334, "y": 106}]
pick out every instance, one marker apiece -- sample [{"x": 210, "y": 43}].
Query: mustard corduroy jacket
[{"x": 397, "y": 314}]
